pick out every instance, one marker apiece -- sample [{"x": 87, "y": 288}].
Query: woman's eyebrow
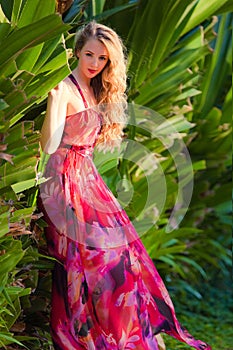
[{"x": 94, "y": 53}]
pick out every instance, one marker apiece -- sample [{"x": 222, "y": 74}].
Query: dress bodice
[{"x": 82, "y": 128}]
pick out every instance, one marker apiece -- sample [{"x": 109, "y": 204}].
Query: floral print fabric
[{"x": 107, "y": 293}]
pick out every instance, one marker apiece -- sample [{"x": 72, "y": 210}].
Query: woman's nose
[{"x": 95, "y": 62}]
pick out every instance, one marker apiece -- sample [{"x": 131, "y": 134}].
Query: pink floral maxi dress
[{"x": 107, "y": 293}]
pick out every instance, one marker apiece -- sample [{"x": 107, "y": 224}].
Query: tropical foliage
[{"x": 179, "y": 70}]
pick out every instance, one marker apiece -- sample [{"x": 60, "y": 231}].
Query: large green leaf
[
  {"x": 10, "y": 258},
  {"x": 31, "y": 35},
  {"x": 168, "y": 21},
  {"x": 206, "y": 9},
  {"x": 34, "y": 11},
  {"x": 24, "y": 88},
  {"x": 219, "y": 67},
  {"x": 97, "y": 7},
  {"x": 21, "y": 13},
  {"x": 148, "y": 53},
  {"x": 4, "y": 30},
  {"x": 4, "y": 221},
  {"x": 27, "y": 59}
]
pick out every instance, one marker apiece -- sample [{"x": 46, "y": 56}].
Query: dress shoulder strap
[{"x": 72, "y": 78}]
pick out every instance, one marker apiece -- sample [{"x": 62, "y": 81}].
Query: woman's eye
[
  {"x": 88, "y": 54},
  {"x": 103, "y": 58}
]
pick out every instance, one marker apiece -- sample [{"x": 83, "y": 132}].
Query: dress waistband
[{"x": 84, "y": 150}]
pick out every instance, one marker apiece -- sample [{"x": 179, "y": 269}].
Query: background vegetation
[{"x": 179, "y": 66}]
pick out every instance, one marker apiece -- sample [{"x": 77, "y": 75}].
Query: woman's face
[{"x": 93, "y": 57}]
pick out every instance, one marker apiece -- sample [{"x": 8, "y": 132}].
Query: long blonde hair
[{"x": 109, "y": 86}]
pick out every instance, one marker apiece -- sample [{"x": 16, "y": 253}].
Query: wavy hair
[{"x": 109, "y": 85}]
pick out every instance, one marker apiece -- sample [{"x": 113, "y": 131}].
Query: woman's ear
[{"x": 77, "y": 53}]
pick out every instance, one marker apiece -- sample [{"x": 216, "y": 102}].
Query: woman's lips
[{"x": 92, "y": 71}]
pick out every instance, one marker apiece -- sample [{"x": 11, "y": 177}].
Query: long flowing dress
[{"x": 107, "y": 293}]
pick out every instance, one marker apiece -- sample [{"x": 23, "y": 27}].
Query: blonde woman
[{"x": 107, "y": 293}]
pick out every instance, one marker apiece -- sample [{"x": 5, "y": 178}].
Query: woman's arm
[{"x": 53, "y": 125}]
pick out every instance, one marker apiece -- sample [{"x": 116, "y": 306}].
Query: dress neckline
[{"x": 74, "y": 81}]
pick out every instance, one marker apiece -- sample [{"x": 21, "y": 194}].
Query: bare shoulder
[
  {"x": 69, "y": 85},
  {"x": 74, "y": 99},
  {"x": 59, "y": 90}
]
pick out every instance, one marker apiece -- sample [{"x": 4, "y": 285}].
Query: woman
[{"x": 107, "y": 293}]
